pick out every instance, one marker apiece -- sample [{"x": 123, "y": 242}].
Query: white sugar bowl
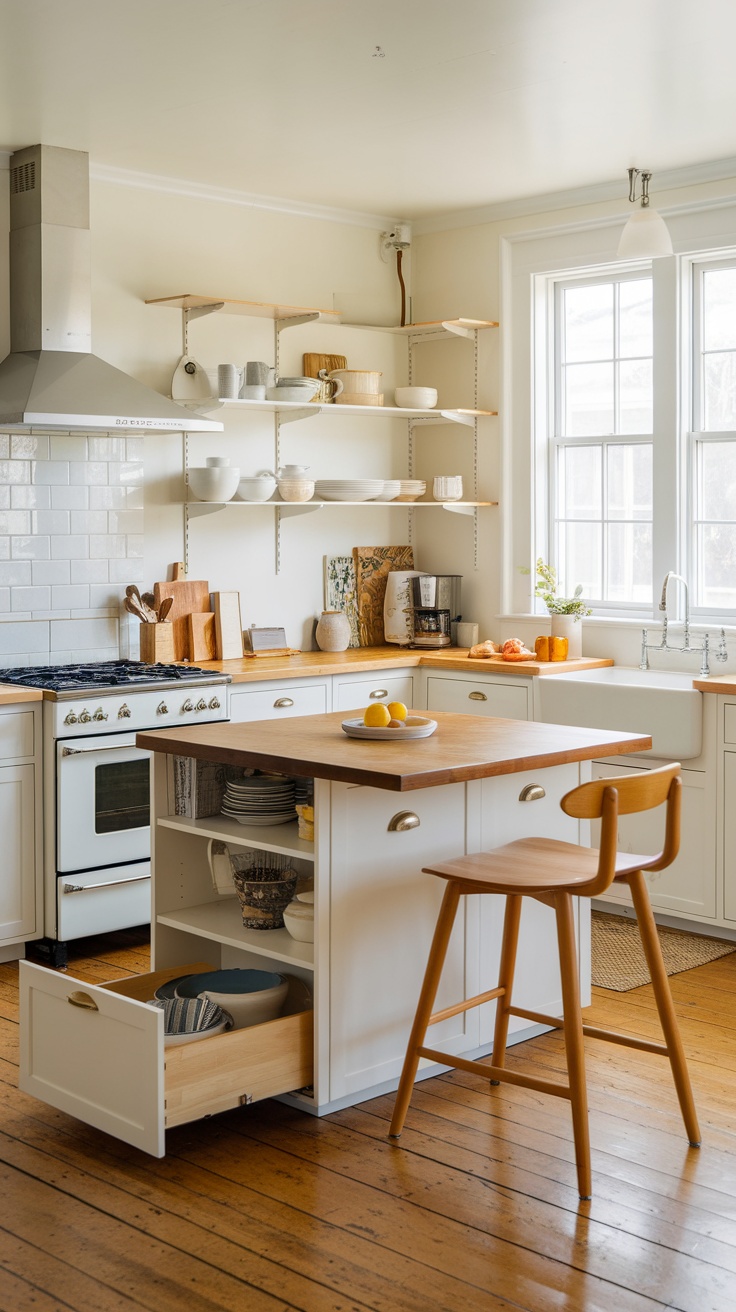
[{"x": 299, "y": 917}]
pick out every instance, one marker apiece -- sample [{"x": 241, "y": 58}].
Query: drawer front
[
  {"x": 272, "y": 703},
  {"x": 729, "y": 722},
  {"x": 98, "y": 1053},
  {"x": 16, "y": 734},
  {"x": 478, "y": 697},
  {"x": 356, "y": 696}
]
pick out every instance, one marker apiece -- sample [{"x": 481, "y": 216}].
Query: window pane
[
  {"x": 635, "y": 397},
  {"x": 717, "y": 499},
  {"x": 719, "y": 389},
  {"x": 588, "y": 410},
  {"x": 629, "y": 481},
  {"x": 580, "y": 559},
  {"x": 635, "y": 317},
  {"x": 629, "y": 562},
  {"x": 719, "y": 309},
  {"x": 580, "y": 482},
  {"x": 718, "y": 566},
  {"x": 588, "y": 323}
]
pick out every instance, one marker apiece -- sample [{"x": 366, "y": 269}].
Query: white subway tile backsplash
[
  {"x": 89, "y": 571},
  {"x": 135, "y": 448},
  {"x": 105, "y": 594},
  {"x": 50, "y": 615},
  {"x": 95, "y": 613},
  {"x": 15, "y": 471},
  {"x": 81, "y": 635},
  {"x": 88, "y": 472},
  {"x": 53, "y": 472},
  {"x": 16, "y": 574},
  {"x": 5, "y": 491},
  {"x": 31, "y": 599},
  {"x": 50, "y": 521},
  {"x": 29, "y": 446},
  {"x": 69, "y": 498},
  {"x": 70, "y": 596},
  {"x": 126, "y": 571},
  {"x": 106, "y": 448},
  {"x": 125, "y": 521},
  {"x": 89, "y": 521},
  {"x": 15, "y": 521},
  {"x": 4, "y": 548},
  {"x": 75, "y": 546},
  {"x": 134, "y": 544},
  {"x": 4, "y": 599},
  {"x": 128, "y": 472},
  {"x": 111, "y": 546},
  {"x": 28, "y": 637},
  {"x": 4, "y": 446},
  {"x": 30, "y": 548},
  {"x": 68, "y": 446},
  {"x": 25, "y": 497},
  {"x": 50, "y": 571}
]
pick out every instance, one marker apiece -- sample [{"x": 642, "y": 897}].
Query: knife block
[{"x": 157, "y": 643}]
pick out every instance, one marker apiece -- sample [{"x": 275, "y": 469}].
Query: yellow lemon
[
  {"x": 397, "y": 710},
  {"x": 376, "y": 716}
]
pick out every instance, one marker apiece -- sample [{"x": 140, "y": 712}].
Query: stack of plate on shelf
[
  {"x": 411, "y": 488},
  {"x": 352, "y": 489},
  {"x": 260, "y": 799},
  {"x": 391, "y": 489}
]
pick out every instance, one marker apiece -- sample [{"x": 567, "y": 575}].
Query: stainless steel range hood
[{"x": 51, "y": 379}]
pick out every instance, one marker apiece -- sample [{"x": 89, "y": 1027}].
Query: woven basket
[{"x": 263, "y": 895}]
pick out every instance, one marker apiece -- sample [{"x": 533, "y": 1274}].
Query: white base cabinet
[
  {"x": 479, "y": 695},
  {"x": 21, "y": 870}
]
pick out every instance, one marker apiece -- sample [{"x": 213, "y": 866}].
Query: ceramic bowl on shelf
[
  {"x": 296, "y": 489},
  {"x": 293, "y": 389},
  {"x": 215, "y": 482},
  {"x": 415, "y": 398},
  {"x": 258, "y": 487},
  {"x": 249, "y": 996},
  {"x": 299, "y": 917}
]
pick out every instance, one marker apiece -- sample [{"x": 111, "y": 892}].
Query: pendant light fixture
[{"x": 645, "y": 236}]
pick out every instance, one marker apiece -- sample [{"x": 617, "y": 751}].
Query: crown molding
[
  {"x": 232, "y": 196},
  {"x": 596, "y": 193}
]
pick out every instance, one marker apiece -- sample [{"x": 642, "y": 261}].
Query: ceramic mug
[
  {"x": 448, "y": 488},
  {"x": 329, "y": 388},
  {"x": 229, "y": 378}
]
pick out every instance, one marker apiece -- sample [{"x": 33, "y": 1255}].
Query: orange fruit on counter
[
  {"x": 397, "y": 711},
  {"x": 376, "y": 716}
]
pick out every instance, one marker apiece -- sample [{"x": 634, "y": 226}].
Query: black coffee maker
[{"x": 436, "y": 601}]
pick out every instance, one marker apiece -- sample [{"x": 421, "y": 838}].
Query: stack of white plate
[
  {"x": 391, "y": 489},
  {"x": 349, "y": 489},
  {"x": 265, "y": 799},
  {"x": 411, "y": 488}
]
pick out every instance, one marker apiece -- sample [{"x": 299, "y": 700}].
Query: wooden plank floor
[{"x": 476, "y": 1210}]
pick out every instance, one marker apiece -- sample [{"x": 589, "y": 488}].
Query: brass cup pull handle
[
  {"x": 477, "y": 697},
  {"x": 283, "y": 701},
  {"x": 79, "y": 999},
  {"x": 379, "y": 692},
  {"x": 531, "y": 793},
  {"x": 403, "y": 820}
]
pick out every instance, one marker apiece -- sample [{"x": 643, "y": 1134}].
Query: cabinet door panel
[
  {"x": 18, "y": 882},
  {"x": 383, "y": 912},
  {"x": 729, "y": 835},
  {"x": 357, "y": 695},
  {"x": 478, "y": 697},
  {"x": 688, "y": 886}
]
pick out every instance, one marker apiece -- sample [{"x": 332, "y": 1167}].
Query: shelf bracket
[
  {"x": 459, "y": 509},
  {"x": 294, "y": 320},
  {"x": 288, "y": 416},
  {"x": 459, "y": 329},
  {"x": 197, "y": 508},
  {"x": 458, "y": 417}
]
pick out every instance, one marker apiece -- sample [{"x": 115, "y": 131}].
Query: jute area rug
[{"x": 618, "y": 958}]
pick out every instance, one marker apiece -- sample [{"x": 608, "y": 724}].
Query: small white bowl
[
  {"x": 293, "y": 391},
  {"x": 215, "y": 483},
  {"x": 299, "y": 919},
  {"x": 257, "y": 488},
  {"x": 415, "y": 398},
  {"x": 296, "y": 489}
]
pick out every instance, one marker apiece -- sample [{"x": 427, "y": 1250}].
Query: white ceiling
[{"x": 407, "y": 108}]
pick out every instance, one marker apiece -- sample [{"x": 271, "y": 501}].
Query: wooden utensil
[
  {"x": 132, "y": 607},
  {"x": 202, "y": 636},
  {"x": 165, "y": 607},
  {"x": 188, "y": 596},
  {"x": 134, "y": 595}
]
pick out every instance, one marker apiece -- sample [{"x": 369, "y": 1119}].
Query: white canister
[
  {"x": 229, "y": 379},
  {"x": 398, "y": 624},
  {"x": 333, "y": 631},
  {"x": 467, "y": 633},
  {"x": 447, "y": 487}
]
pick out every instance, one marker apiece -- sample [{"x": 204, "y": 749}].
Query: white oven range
[{"x": 97, "y": 868}]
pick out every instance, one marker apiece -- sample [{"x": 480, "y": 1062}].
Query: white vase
[
  {"x": 398, "y": 622},
  {"x": 333, "y": 631},
  {"x": 570, "y": 627}
]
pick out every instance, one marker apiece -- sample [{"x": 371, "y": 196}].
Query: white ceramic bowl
[
  {"x": 416, "y": 398},
  {"x": 293, "y": 391},
  {"x": 391, "y": 489},
  {"x": 240, "y": 993},
  {"x": 218, "y": 483},
  {"x": 299, "y": 920},
  {"x": 296, "y": 489},
  {"x": 257, "y": 488}
]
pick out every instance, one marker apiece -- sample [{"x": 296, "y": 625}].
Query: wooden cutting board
[
  {"x": 202, "y": 637},
  {"x": 312, "y": 363},
  {"x": 189, "y": 596},
  {"x": 372, "y": 564}
]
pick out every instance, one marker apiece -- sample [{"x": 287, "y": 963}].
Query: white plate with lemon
[{"x": 389, "y": 722}]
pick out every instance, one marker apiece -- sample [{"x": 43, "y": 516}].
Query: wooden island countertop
[{"x": 464, "y": 747}]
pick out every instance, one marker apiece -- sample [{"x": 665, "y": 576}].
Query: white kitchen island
[{"x": 382, "y": 811}]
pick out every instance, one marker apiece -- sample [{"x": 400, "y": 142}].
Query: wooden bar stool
[{"x": 554, "y": 872}]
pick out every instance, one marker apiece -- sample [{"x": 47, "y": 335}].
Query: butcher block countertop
[
  {"x": 725, "y": 683},
  {"x": 10, "y": 694},
  {"x": 463, "y": 747},
  {"x": 357, "y": 659}
]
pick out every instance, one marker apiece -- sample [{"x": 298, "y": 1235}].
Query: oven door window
[{"x": 122, "y": 796}]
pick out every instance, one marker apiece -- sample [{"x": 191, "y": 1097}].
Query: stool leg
[
  {"x": 665, "y": 1007},
  {"x": 432, "y": 974},
  {"x": 574, "y": 1045},
  {"x": 506, "y": 967}
]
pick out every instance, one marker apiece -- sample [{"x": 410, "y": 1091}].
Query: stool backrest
[{"x": 606, "y": 799}]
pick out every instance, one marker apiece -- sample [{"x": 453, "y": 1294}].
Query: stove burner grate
[{"x": 101, "y": 674}]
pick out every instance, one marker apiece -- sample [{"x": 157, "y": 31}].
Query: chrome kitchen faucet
[{"x": 663, "y": 645}]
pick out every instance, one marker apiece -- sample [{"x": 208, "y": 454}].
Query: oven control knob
[
  {"x": 70, "y": 718},
  {"x": 214, "y": 704},
  {"x": 201, "y": 705},
  {"x": 99, "y": 714},
  {"x": 162, "y": 709},
  {"x": 124, "y": 712},
  {"x": 186, "y": 706},
  {"x": 85, "y": 716}
]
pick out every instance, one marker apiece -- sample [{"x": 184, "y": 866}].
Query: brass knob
[
  {"x": 401, "y": 821},
  {"x": 201, "y": 705},
  {"x": 70, "y": 718},
  {"x": 162, "y": 709},
  {"x": 531, "y": 793},
  {"x": 99, "y": 714},
  {"x": 85, "y": 717},
  {"x": 124, "y": 712},
  {"x": 214, "y": 704},
  {"x": 187, "y": 706}
]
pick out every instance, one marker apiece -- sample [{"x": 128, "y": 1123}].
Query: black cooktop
[{"x": 106, "y": 674}]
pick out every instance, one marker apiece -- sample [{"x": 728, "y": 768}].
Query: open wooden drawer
[{"x": 97, "y": 1052}]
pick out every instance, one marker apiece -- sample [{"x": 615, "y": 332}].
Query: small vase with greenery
[{"x": 547, "y": 589}]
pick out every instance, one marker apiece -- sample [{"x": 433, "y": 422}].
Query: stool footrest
[
  {"x": 538, "y": 1016},
  {"x": 500, "y": 1073},
  {"x": 611, "y": 1036},
  {"x": 455, "y": 1010}
]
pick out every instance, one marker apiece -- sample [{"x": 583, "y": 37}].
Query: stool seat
[{"x": 554, "y": 872}]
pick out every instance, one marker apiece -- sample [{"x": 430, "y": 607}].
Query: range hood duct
[{"x": 50, "y": 379}]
